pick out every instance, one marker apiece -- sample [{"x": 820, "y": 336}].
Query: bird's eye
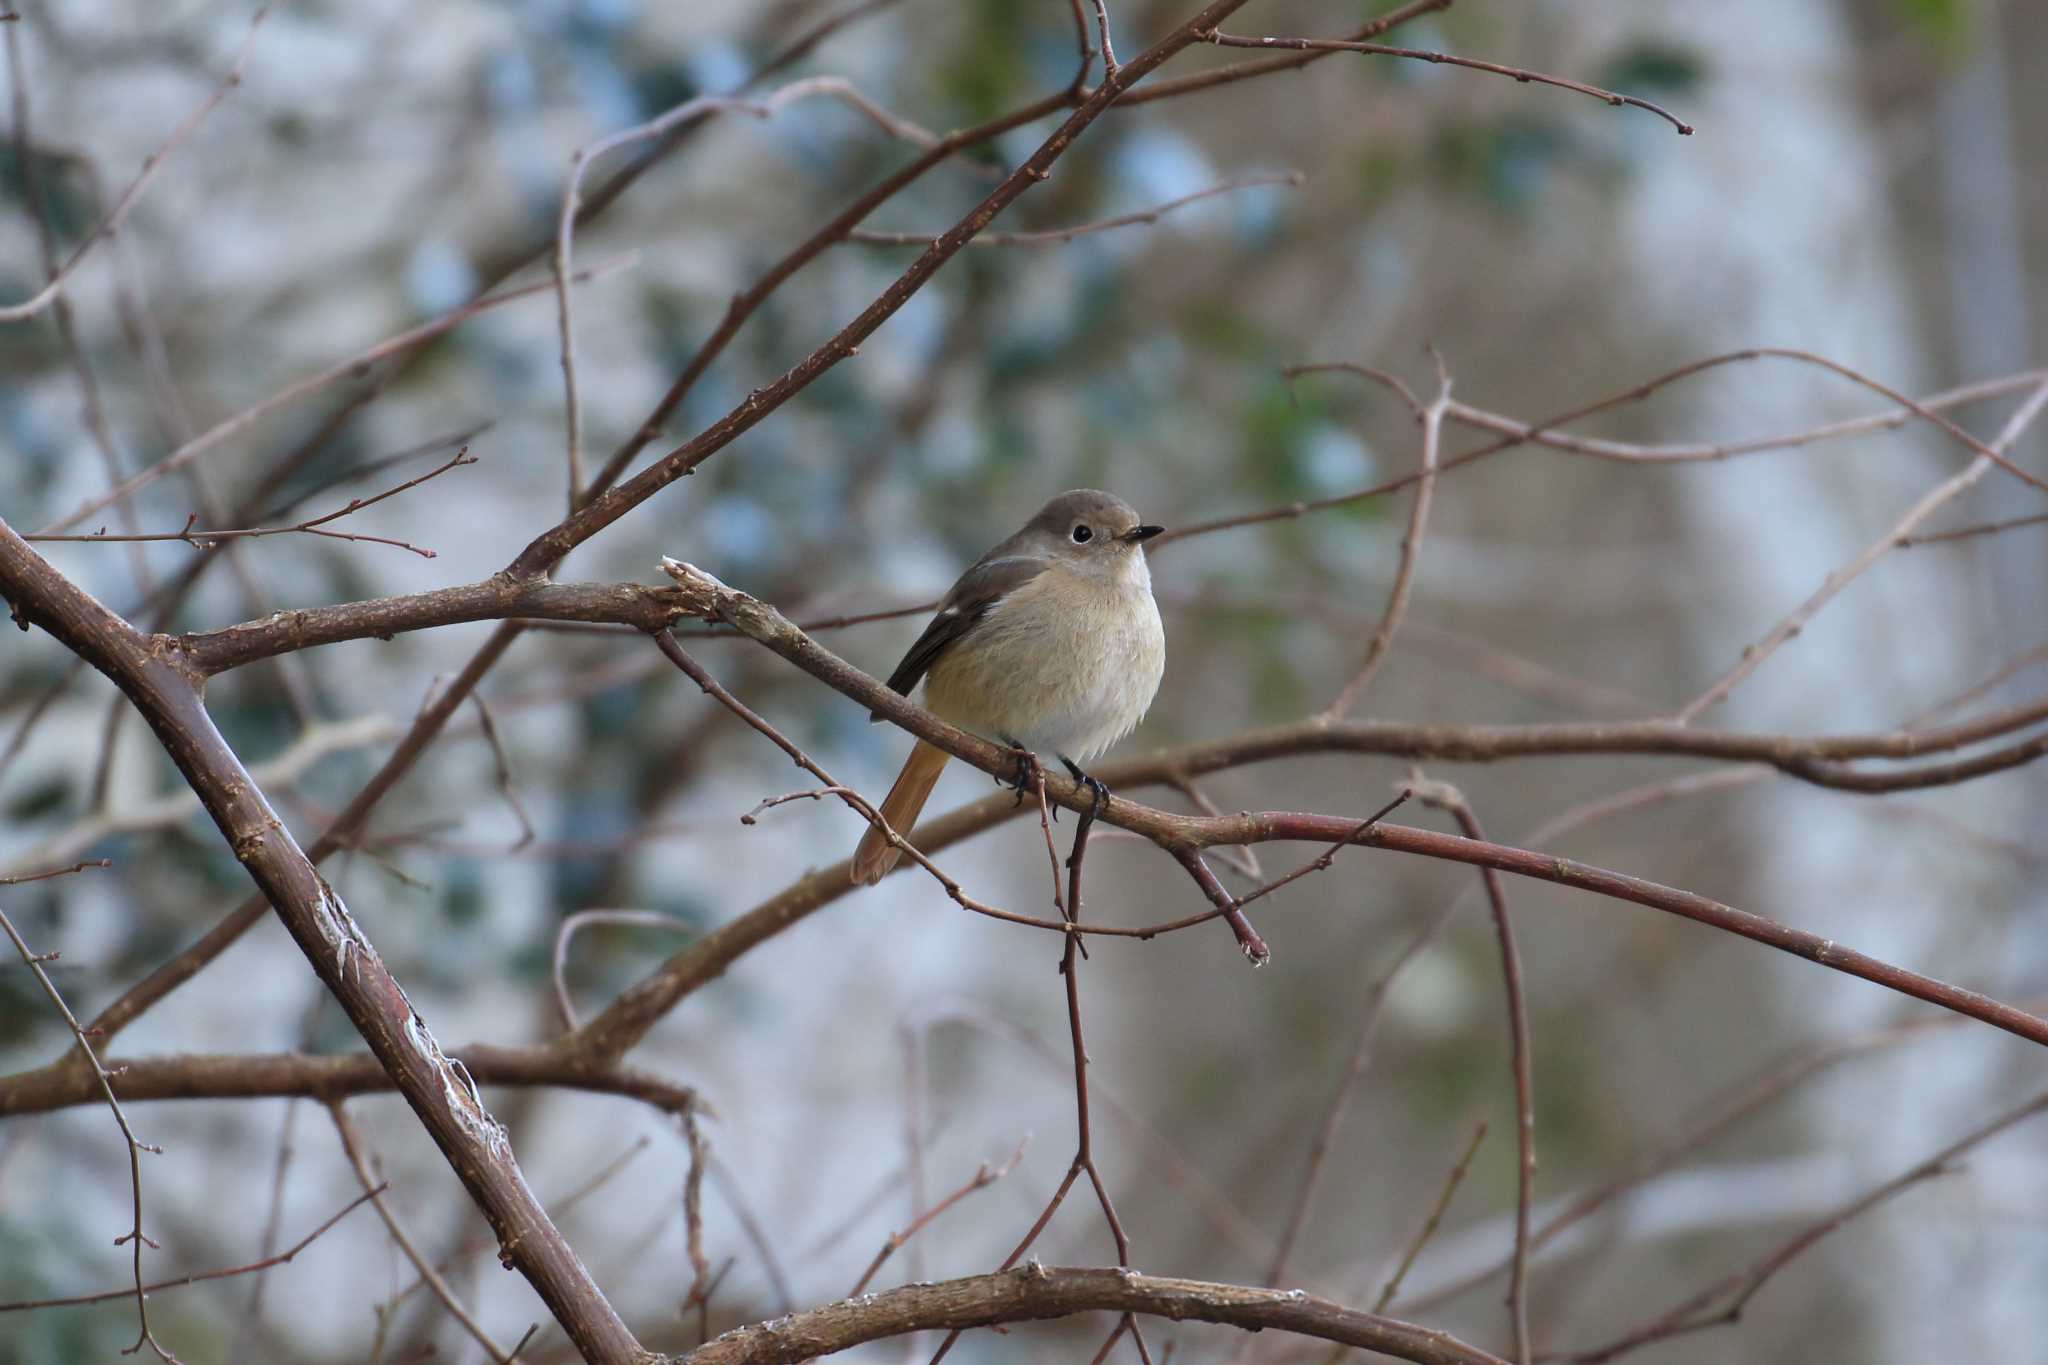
[{"x": 1082, "y": 535}]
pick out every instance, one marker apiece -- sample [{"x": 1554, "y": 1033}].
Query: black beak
[{"x": 1138, "y": 535}]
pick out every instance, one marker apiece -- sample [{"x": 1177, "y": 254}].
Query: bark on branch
[
  {"x": 1033, "y": 1292},
  {"x": 167, "y": 692}
]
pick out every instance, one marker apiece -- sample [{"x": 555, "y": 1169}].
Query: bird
[{"x": 1050, "y": 643}]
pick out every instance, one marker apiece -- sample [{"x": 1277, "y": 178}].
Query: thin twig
[
  {"x": 134, "y": 1237},
  {"x": 1432, "y": 419},
  {"x": 757, "y": 1237},
  {"x": 252, "y": 1313},
  {"x": 1354, "y": 1069},
  {"x": 548, "y": 549},
  {"x": 1429, "y": 1226},
  {"x": 572, "y": 924},
  {"x": 688, "y": 111},
  {"x": 1697, "y": 1313},
  {"x": 1084, "y": 1145},
  {"x": 502, "y": 770},
  {"x": 1108, "y": 49},
  {"x": 984, "y": 1176},
  {"x": 203, "y": 539},
  {"x": 1929, "y": 503},
  {"x": 1244, "y": 861},
  {"x": 19, "y": 878},
  {"x": 476, "y": 1246},
  {"x": 1067, "y": 912},
  {"x": 1450, "y": 799},
  {"x": 1321, "y": 862},
  {"x": 1512, "y": 433},
  {"x": 1053, "y": 236},
  {"x": 151, "y": 164},
  {"x": 200, "y": 1276},
  {"x": 36, "y": 198},
  {"x": 343, "y": 369},
  {"x": 351, "y": 1146},
  {"x": 1988, "y": 528},
  {"x": 1444, "y": 58},
  {"x": 1285, "y": 61},
  {"x": 2005, "y": 672}
]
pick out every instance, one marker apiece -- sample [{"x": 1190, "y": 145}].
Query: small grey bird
[{"x": 1051, "y": 643}]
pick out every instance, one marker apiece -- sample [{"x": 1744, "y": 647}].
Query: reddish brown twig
[
  {"x": 1084, "y": 1138},
  {"x": 1161, "y": 1155},
  {"x": 1436, "y": 1216},
  {"x": 204, "y": 539},
  {"x": 445, "y": 1099},
  {"x": 1450, "y": 799},
  {"x": 984, "y": 1176},
  {"x": 2004, "y": 673},
  {"x": 200, "y": 1276},
  {"x": 1698, "y": 1313},
  {"x": 477, "y": 1246},
  {"x": 1283, "y": 61},
  {"x": 352, "y": 1148},
  {"x": 47, "y": 875},
  {"x": 1185, "y": 836},
  {"x": 1716, "y": 1117},
  {"x": 1443, "y": 58},
  {"x": 1321, "y": 862}
]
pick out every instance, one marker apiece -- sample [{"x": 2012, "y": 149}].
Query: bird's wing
[{"x": 972, "y": 598}]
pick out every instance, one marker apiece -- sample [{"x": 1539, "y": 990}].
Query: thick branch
[
  {"x": 492, "y": 599},
  {"x": 1820, "y": 760},
  {"x": 553, "y": 545},
  {"x": 204, "y": 1076},
  {"x": 440, "y": 1092},
  {"x": 1034, "y": 1292},
  {"x": 627, "y": 1020}
]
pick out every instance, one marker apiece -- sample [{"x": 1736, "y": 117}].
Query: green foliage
[
  {"x": 30, "y": 1252},
  {"x": 1949, "y": 24},
  {"x": 462, "y": 892},
  {"x": 1649, "y": 68},
  {"x": 1277, "y": 690},
  {"x": 1506, "y": 162},
  {"x": 985, "y": 78},
  {"x": 21, "y": 995},
  {"x": 40, "y": 799},
  {"x": 70, "y": 209},
  {"x": 1379, "y": 174}
]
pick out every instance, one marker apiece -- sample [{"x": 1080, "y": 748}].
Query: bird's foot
[
  {"x": 1098, "y": 797},
  {"x": 1026, "y": 776}
]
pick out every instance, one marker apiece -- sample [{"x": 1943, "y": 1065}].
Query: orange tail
[{"x": 875, "y": 856}]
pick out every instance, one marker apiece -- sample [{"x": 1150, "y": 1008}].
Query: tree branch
[
  {"x": 440, "y": 1092},
  {"x": 628, "y": 1018},
  {"x": 1033, "y": 1292}
]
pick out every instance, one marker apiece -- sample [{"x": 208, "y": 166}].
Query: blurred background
[{"x": 1863, "y": 184}]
